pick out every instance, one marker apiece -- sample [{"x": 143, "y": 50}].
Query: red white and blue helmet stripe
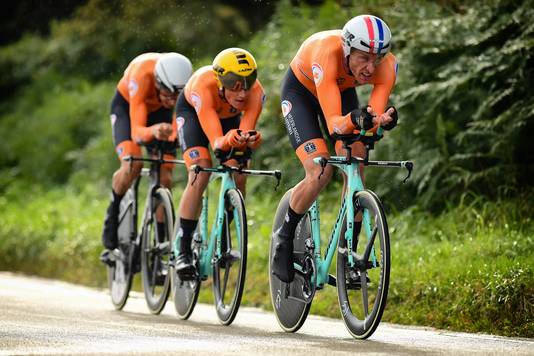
[{"x": 367, "y": 33}]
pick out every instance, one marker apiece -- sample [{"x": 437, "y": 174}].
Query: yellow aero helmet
[{"x": 235, "y": 69}]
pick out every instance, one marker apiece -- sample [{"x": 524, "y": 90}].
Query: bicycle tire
[
  {"x": 155, "y": 255},
  {"x": 290, "y": 313},
  {"x": 185, "y": 292},
  {"x": 121, "y": 274},
  {"x": 230, "y": 268},
  {"x": 363, "y": 289}
]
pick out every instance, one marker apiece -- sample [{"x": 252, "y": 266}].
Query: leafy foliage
[{"x": 467, "y": 102}]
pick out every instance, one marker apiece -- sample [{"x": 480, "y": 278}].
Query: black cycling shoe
[
  {"x": 184, "y": 266},
  {"x": 107, "y": 258},
  {"x": 109, "y": 232},
  {"x": 282, "y": 263}
]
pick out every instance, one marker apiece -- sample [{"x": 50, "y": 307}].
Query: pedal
[
  {"x": 229, "y": 257},
  {"x": 354, "y": 282}
]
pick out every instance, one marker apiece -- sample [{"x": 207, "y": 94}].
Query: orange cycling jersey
[
  {"x": 202, "y": 92},
  {"x": 138, "y": 87},
  {"x": 321, "y": 67}
]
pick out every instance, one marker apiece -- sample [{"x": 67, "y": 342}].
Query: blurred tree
[{"x": 32, "y": 16}]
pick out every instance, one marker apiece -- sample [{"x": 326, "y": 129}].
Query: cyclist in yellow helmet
[{"x": 221, "y": 103}]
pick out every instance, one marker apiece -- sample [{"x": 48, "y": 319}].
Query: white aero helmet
[
  {"x": 172, "y": 71},
  {"x": 367, "y": 33}
]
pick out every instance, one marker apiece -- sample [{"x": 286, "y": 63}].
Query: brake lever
[
  {"x": 409, "y": 167},
  {"x": 322, "y": 162},
  {"x": 278, "y": 176},
  {"x": 196, "y": 169},
  {"x": 129, "y": 159}
]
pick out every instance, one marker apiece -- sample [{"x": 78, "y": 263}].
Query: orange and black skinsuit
[
  {"x": 320, "y": 85},
  {"x": 136, "y": 106},
  {"x": 203, "y": 115}
]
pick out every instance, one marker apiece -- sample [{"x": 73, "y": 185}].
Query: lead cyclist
[{"x": 319, "y": 90}]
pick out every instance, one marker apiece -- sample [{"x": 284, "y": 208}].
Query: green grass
[{"x": 469, "y": 269}]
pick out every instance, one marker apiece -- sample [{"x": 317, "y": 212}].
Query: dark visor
[{"x": 233, "y": 81}]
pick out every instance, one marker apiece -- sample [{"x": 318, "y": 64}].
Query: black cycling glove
[
  {"x": 393, "y": 122},
  {"x": 361, "y": 119}
]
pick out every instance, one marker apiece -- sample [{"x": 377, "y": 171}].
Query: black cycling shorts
[
  {"x": 190, "y": 133},
  {"x": 302, "y": 112},
  {"x": 120, "y": 121}
]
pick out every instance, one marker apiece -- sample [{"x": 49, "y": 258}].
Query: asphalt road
[{"x": 39, "y": 316}]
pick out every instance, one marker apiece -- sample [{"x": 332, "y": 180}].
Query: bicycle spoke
[
  {"x": 226, "y": 273},
  {"x": 370, "y": 244},
  {"x": 365, "y": 296}
]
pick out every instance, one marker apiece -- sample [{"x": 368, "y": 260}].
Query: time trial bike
[
  {"x": 146, "y": 249},
  {"x": 363, "y": 260},
  {"x": 221, "y": 252}
]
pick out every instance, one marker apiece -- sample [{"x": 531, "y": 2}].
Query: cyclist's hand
[
  {"x": 254, "y": 139},
  {"x": 233, "y": 138},
  {"x": 364, "y": 118},
  {"x": 388, "y": 120},
  {"x": 162, "y": 131}
]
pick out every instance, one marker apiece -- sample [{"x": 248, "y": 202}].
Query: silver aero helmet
[
  {"x": 172, "y": 71},
  {"x": 367, "y": 33}
]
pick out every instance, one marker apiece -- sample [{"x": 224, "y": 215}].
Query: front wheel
[
  {"x": 230, "y": 267},
  {"x": 362, "y": 284},
  {"x": 156, "y": 251}
]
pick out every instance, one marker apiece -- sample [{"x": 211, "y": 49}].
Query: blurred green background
[{"x": 462, "y": 227}]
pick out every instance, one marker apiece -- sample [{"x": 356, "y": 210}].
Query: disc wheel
[{"x": 290, "y": 313}]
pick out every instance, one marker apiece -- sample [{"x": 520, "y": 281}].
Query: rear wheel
[
  {"x": 230, "y": 267},
  {"x": 185, "y": 292},
  {"x": 121, "y": 274},
  {"x": 290, "y": 313},
  {"x": 156, "y": 251},
  {"x": 363, "y": 284}
]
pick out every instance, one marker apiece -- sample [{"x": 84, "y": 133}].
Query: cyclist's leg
[
  {"x": 126, "y": 174},
  {"x": 194, "y": 145},
  {"x": 300, "y": 109}
]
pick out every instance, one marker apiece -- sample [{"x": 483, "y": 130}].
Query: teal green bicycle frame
[
  {"x": 354, "y": 184},
  {"x": 227, "y": 183}
]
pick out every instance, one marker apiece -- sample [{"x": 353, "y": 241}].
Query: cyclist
[
  {"x": 221, "y": 103},
  {"x": 142, "y": 111},
  {"x": 319, "y": 87}
]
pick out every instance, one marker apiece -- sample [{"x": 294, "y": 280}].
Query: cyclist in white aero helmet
[
  {"x": 142, "y": 111},
  {"x": 366, "y": 33}
]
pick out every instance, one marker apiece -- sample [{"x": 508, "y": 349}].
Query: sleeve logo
[
  {"x": 197, "y": 102},
  {"x": 286, "y": 107},
  {"x": 317, "y": 71},
  {"x": 179, "y": 122},
  {"x": 132, "y": 87}
]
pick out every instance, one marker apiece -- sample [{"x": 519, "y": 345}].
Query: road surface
[{"x": 40, "y": 316}]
